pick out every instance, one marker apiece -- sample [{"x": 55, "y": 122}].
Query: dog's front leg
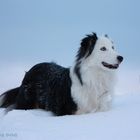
[{"x": 105, "y": 101}]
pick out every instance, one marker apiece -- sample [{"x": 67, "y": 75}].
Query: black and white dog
[{"x": 85, "y": 87}]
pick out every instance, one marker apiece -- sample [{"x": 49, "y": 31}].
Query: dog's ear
[
  {"x": 87, "y": 46},
  {"x": 106, "y": 35}
]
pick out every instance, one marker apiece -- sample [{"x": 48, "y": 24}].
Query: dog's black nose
[{"x": 120, "y": 58}]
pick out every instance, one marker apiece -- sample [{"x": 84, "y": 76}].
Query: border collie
[{"x": 85, "y": 87}]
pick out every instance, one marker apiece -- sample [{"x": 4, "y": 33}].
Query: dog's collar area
[{"x": 110, "y": 66}]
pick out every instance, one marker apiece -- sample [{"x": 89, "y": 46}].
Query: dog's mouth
[{"x": 110, "y": 66}]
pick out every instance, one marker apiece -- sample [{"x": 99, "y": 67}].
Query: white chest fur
[{"x": 96, "y": 92}]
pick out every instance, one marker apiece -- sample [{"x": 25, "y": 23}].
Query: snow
[{"x": 120, "y": 123}]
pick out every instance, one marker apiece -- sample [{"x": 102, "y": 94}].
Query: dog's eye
[
  {"x": 103, "y": 49},
  {"x": 113, "y": 47}
]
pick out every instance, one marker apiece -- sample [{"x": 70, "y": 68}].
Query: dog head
[{"x": 99, "y": 52}]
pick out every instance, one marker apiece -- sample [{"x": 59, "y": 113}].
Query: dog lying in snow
[{"x": 85, "y": 87}]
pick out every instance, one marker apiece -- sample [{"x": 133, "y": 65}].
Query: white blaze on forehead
[{"x": 104, "y": 41}]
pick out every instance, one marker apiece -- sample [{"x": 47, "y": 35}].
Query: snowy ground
[{"x": 120, "y": 123}]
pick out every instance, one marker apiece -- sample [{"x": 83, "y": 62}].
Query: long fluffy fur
[{"x": 83, "y": 88}]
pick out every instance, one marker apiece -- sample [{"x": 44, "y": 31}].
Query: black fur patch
[
  {"x": 47, "y": 86},
  {"x": 87, "y": 46},
  {"x": 9, "y": 97}
]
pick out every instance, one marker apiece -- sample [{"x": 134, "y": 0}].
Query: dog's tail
[{"x": 8, "y": 98}]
